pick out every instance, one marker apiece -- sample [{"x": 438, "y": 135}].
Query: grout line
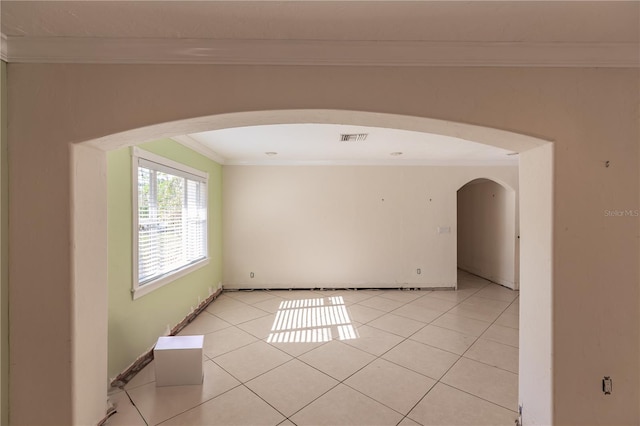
[
  {"x": 375, "y": 357},
  {"x": 479, "y": 397},
  {"x": 136, "y": 407}
]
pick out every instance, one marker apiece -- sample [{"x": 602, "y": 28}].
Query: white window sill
[{"x": 160, "y": 282}]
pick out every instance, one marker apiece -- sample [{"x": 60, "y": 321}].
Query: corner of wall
[{"x": 4, "y": 255}]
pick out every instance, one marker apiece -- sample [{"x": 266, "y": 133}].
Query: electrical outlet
[
  {"x": 418, "y": 271},
  {"x": 607, "y": 385},
  {"x": 252, "y": 275}
]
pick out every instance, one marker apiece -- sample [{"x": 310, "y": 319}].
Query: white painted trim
[
  {"x": 137, "y": 152},
  {"x": 138, "y": 290},
  {"x": 319, "y": 52},
  {"x": 460, "y": 162},
  {"x": 189, "y": 142},
  {"x": 4, "y": 48}
]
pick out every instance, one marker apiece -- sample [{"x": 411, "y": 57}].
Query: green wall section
[
  {"x": 135, "y": 325},
  {"x": 4, "y": 252}
]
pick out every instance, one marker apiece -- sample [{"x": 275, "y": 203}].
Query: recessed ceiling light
[
  {"x": 271, "y": 153},
  {"x": 395, "y": 154}
]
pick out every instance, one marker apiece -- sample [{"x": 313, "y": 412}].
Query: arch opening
[
  {"x": 487, "y": 239},
  {"x": 536, "y": 155}
]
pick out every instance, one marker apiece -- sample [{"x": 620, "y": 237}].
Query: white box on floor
[{"x": 178, "y": 360}]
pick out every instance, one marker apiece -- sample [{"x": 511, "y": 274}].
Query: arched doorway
[
  {"x": 487, "y": 238},
  {"x": 89, "y": 234}
]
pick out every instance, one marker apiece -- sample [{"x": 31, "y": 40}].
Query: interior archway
[
  {"x": 487, "y": 217},
  {"x": 89, "y": 260}
]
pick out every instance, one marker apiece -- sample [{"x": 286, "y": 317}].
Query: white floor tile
[
  {"x": 445, "y": 405},
  {"x": 146, "y": 375},
  {"x": 433, "y": 303},
  {"x": 404, "y": 296},
  {"x": 226, "y": 340},
  {"x": 501, "y": 334},
  {"x": 345, "y": 406},
  {"x": 260, "y": 327},
  {"x": 291, "y": 386},
  {"x": 161, "y": 403},
  {"x": 354, "y": 296},
  {"x": 389, "y": 372},
  {"x": 363, "y": 314},
  {"x": 392, "y": 385},
  {"x": 482, "y": 313},
  {"x": 224, "y": 302},
  {"x": 452, "y": 296},
  {"x": 494, "y": 354},
  {"x": 418, "y": 313},
  {"x": 238, "y": 316},
  {"x": 270, "y": 305},
  {"x": 462, "y": 324},
  {"x": 498, "y": 292},
  {"x": 251, "y": 360},
  {"x": 296, "y": 349},
  {"x": 508, "y": 320},
  {"x": 251, "y": 297},
  {"x": 381, "y": 303},
  {"x": 445, "y": 339},
  {"x": 489, "y": 383},
  {"x": 373, "y": 340},
  {"x": 126, "y": 413},
  {"x": 408, "y": 422},
  {"x": 203, "y": 324},
  {"x": 396, "y": 324},
  {"x": 427, "y": 360},
  {"x": 337, "y": 359},
  {"x": 238, "y": 407}
]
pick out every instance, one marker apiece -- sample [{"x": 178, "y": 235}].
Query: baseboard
[{"x": 123, "y": 378}]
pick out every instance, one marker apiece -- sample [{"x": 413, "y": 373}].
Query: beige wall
[
  {"x": 591, "y": 114},
  {"x": 343, "y": 226},
  {"x": 487, "y": 231}
]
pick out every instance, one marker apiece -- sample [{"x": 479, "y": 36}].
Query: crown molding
[
  {"x": 379, "y": 162},
  {"x": 189, "y": 142},
  {"x": 317, "y": 52},
  {"x": 3, "y": 47}
]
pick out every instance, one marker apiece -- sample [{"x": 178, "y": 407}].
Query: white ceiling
[{"x": 319, "y": 144}]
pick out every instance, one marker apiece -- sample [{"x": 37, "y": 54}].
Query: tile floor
[{"x": 366, "y": 357}]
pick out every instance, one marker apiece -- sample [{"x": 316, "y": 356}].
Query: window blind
[{"x": 172, "y": 220}]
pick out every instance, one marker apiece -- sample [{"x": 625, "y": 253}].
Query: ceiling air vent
[{"x": 353, "y": 137}]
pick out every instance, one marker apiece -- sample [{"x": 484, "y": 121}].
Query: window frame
[{"x": 177, "y": 169}]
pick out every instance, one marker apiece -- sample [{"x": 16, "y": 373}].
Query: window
[{"x": 169, "y": 221}]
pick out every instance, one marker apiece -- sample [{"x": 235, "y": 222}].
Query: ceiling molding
[
  {"x": 3, "y": 47},
  {"x": 317, "y": 52},
  {"x": 434, "y": 163},
  {"x": 196, "y": 146}
]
